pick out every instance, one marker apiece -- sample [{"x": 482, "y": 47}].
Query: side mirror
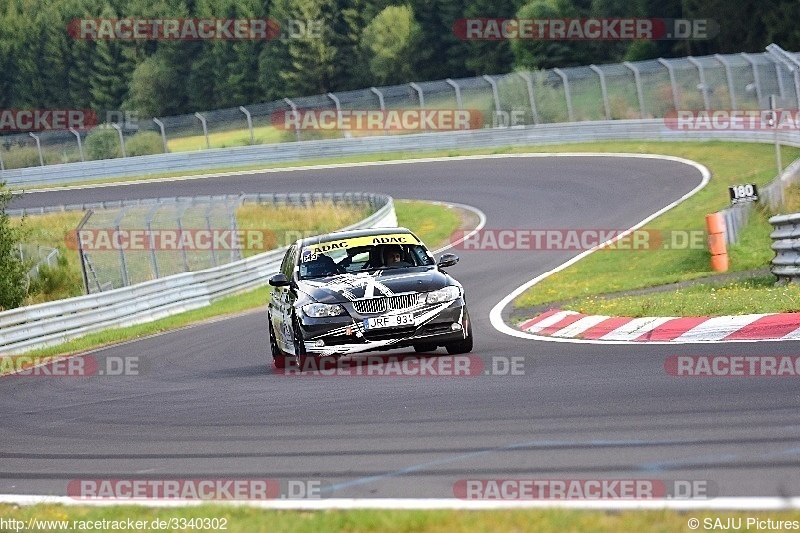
[
  {"x": 447, "y": 260},
  {"x": 279, "y": 280}
]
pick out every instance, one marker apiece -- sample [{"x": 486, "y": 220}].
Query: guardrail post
[
  {"x": 457, "y": 89},
  {"x": 121, "y": 138},
  {"x": 208, "y": 227},
  {"x": 529, "y": 84},
  {"x": 638, "y": 80},
  {"x": 603, "y": 89},
  {"x": 80, "y": 144},
  {"x": 38, "y": 147},
  {"x": 249, "y": 123},
  {"x": 205, "y": 128},
  {"x": 2, "y": 165},
  {"x": 703, "y": 86},
  {"x": 163, "y": 134},
  {"x": 421, "y": 100},
  {"x": 567, "y": 95}
]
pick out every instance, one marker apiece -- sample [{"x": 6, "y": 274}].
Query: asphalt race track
[{"x": 207, "y": 403}]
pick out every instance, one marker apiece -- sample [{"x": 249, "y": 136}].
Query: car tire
[
  {"x": 463, "y": 346},
  {"x": 279, "y": 358},
  {"x": 302, "y": 361},
  {"x": 424, "y": 348}
]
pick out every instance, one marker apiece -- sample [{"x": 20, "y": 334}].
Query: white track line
[{"x": 729, "y": 503}]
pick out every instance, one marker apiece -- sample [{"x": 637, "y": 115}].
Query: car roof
[{"x": 336, "y": 235}]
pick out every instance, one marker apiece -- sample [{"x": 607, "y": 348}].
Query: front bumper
[{"x": 433, "y": 325}]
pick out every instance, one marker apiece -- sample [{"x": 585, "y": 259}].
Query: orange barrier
[{"x": 715, "y": 223}]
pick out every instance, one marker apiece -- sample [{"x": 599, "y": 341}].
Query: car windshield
[{"x": 362, "y": 254}]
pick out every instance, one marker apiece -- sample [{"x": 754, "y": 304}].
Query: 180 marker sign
[{"x": 743, "y": 193}]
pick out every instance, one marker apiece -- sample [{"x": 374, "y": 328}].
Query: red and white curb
[{"x": 559, "y": 324}]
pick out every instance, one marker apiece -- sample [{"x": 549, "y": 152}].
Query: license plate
[{"x": 389, "y": 321}]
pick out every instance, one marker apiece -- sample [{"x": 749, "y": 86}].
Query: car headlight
[
  {"x": 443, "y": 295},
  {"x": 323, "y": 310}
]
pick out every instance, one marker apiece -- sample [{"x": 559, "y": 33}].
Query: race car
[{"x": 356, "y": 291}]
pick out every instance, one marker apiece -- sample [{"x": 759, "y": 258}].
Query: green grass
[
  {"x": 432, "y": 223},
  {"x": 609, "y": 271},
  {"x": 444, "y": 521},
  {"x": 759, "y": 294}
]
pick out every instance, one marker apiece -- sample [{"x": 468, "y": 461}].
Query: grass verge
[
  {"x": 540, "y": 520},
  {"x": 609, "y": 271},
  {"x": 428, "y": 221}
]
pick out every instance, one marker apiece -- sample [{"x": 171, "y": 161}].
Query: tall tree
[{"x": 391, "y": 40}]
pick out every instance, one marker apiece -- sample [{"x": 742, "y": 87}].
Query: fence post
[
  {"x": 122, "y": 263},
  {"x": 565, "y": 81},
  {"x": 673, "y": 81},
  {"x": 121, "y": 139},
  {"x": 729, "y": 75},
  {"x": 338, "y": 105},
  {"x": 249, "y": 123},
  {"x": 639, "y": 93},
  {"x": 756, "y": 78},
  {"x": 152, "y": 240},
  {"x": 80, "y": 144},
  {"x": 703, "y": 87},
  {"x": 382, "y": 104},
  {"x": 38, "y": 147},
  {"x": 421, "y": 100},
  {"x": 297, "y": 117},
  {"x": 205, "y": 128},
  {"x": 603, "y": 89},
  {"x": 495, "y": 95},
  {"x": 529, "y": 84},
  {"x": 163, "y": 134}
]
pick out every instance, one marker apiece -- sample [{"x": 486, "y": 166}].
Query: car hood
[{"x": 350, "y": 287}]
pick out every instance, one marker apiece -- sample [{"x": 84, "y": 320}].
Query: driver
[{"x": 392, "y": 255}]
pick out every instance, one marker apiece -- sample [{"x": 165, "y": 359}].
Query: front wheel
[
  {"x": 279, "y": 358},
  {"x": 302, "y": 360},
  {"x": 462, "y": 346}
]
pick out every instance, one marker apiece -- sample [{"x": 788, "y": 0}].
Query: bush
[
  {"x": 13, "y": 279},
  {"x": 102, "y": 143},
  {"x": 56, "y": 282},
  {"x": 144, "y": 143}
]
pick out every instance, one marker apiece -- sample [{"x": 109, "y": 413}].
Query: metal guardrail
[
  {"x": 51, "y": 323},
  {"x": 786, "y": 237},
  {"x": 264, "y": 155}
]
